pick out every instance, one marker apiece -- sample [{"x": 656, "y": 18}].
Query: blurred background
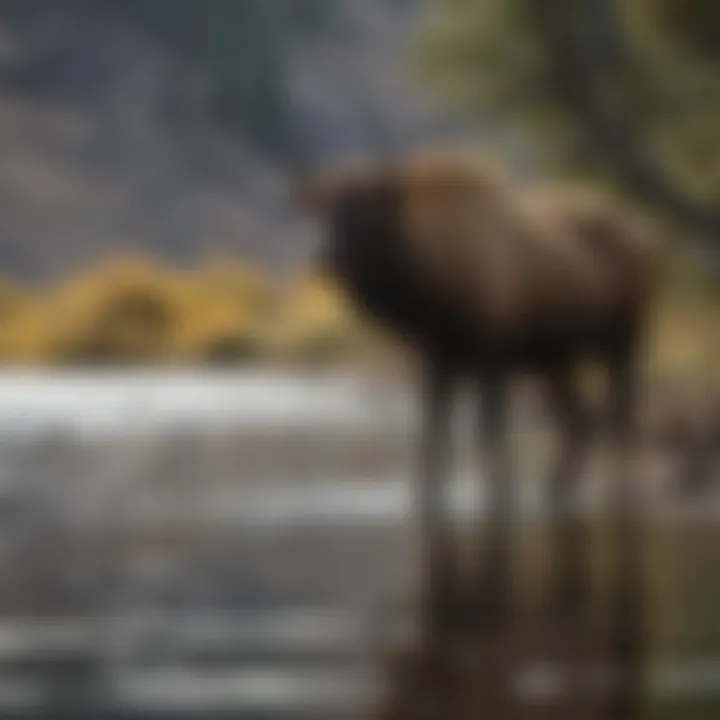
[{"x": 205, "y": 456}]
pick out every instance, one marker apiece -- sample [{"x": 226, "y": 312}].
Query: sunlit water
[{"x": 186, "y": 544}]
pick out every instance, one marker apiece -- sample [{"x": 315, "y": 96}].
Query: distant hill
[{"x": 168, "y": 125}]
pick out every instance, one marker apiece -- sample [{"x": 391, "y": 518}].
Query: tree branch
[{"x": 578, "y": 64}]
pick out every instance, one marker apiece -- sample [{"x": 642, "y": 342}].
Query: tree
[
  {"x": 606, "y": 87},
  {"x": 239, "y": 45},
  {"x": 694, "y": 25}
]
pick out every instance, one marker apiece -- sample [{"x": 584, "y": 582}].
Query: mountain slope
[{"x": 109, "y": 140}]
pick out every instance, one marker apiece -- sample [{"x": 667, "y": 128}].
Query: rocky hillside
[{"x": 108, "y": 138}]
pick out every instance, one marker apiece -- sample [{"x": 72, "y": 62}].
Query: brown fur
[
  {"x": 502, "y": 259},
  {"x": 521, "y": 258},
  {"x": 490, "y": 278}
]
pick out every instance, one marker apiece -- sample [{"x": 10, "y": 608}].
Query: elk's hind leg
[
  {"x": 700, "y": 459},
  {"x": 570, "y": 585},
  {"x": 627, "y": 587}
]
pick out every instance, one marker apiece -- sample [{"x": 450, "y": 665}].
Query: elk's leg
[
  {"x": 494, "y": 575},
  {"x": 570, "y": 584},
  {"x": 700, "y": 458},
  {"x": 438, "y": 546},
  {"x": 627, "y": 576}
]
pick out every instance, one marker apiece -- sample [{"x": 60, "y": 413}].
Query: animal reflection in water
[{"x": 491, "y": 280}]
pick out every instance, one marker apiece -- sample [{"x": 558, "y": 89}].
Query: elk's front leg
[
  {"x": 438, "y": 546},
  {"x": 494, "y": 575}
]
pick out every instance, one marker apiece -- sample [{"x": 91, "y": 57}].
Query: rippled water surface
[{"x": 189, "y": 546}]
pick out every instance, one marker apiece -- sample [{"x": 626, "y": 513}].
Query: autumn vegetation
[{"x": 136, "y": 310}]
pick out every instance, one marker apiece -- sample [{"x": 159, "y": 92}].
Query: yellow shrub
[
  {"x": 214, "y": 332},
  {"x": 131, "y": 309},
  {"x": 124, "y": 311},
  {"x": 316, "y": 321},
  {"x": 26, "y": 325},
  {"x": 236, "y": 284},
  {"x": 226, "y": 308}
]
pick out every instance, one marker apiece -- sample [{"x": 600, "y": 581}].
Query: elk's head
[{"x": 358, "y": 208}]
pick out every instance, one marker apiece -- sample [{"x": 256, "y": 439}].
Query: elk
[{"x": 489, "y": 279}]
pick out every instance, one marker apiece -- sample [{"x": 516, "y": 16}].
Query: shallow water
[{"x": 186, "y": 545}]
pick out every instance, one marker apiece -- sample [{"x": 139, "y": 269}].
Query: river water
[{"x": 199, "y": 545}]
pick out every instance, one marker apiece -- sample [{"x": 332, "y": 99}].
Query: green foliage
[
  {"x": 485, "y": 59},
  {"x": 692, "y": 25},
  {"x": 244, "y": 60},
  {"x": 240, "y": 46},
  {"x": 491, "y": 58}
]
